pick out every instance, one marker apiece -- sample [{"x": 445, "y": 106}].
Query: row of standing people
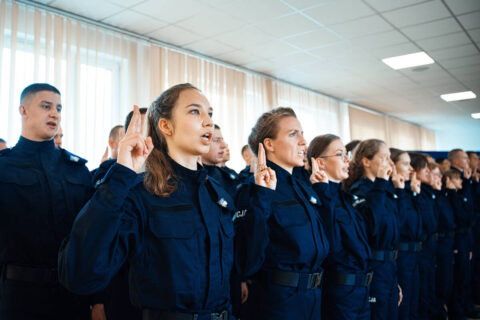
[{"x": 307, "y": 248}]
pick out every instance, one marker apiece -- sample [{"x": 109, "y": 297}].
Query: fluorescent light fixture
[
  {"x": 476, "y": 115},
  {"x": 408, "y": 60},
  {"x": 458, "y": 96}
]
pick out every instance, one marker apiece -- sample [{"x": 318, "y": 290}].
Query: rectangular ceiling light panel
[
  {"x": 408, "y": 60},
  {"x": 476, "y": 115},
  {"x": 458, "y": 96}
]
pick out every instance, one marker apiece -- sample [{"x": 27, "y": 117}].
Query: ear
[
  {"x": 165, "y": 127},
  {"x": 110, "y": 143},
  {"x": 321, "y": 163},
  {"x": 268, "y": 145},
  {"x": 22, "y": 110},
  {"x": 366, "y": 162}
]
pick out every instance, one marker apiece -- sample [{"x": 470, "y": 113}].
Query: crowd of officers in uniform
[{"x": 164, "y": 230}]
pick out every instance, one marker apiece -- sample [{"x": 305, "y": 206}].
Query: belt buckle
[
  {"x": 220, "y": 316},
  {"x": 316, "y": 279},
  {"x": 369, "y": 278}
]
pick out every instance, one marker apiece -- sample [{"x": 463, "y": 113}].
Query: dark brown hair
[
  {"x": 365, "y": 149},
  {"x": 319, "y": 145},
  {"x": 352, "y": 145},
  {"x": 451, "y": 174},
  {"x": 267, "y": 126},
  {"x": 418, "y": 161},
  {"x": 433, "y": 165},
  {"x": 395, "y": 154},
  {"x": 160, "y": 178}
]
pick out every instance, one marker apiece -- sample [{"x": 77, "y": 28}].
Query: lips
[
  {"x": 207, "y": 138},
  {"x": 51, "y": 124}
]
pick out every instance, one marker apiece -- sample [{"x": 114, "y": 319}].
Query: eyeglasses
[
  {"x": 341, "y": 155},
  {"x": 217, "y": 140}
]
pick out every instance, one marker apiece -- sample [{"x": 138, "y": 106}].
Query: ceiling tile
[
  {"x": 209, "y": 23},
  {"x": 461, "y": 62},
  {"x": 96, "y": 10},
  {"x": 393, "y": 51},
  {"x": 385, "y": 5},
  {"x": 432, "y": 29},
  {"x": 304, "y": 4},
  {"x": 170, "y": 11},
  {"x": 313, "y": 39},
  {"x": 463, "y": 6},
  {"x": 361, "y": 27},
  {"x": 475, "y": 34},
  {"x": 136, "y": 22},
  {"x": 454, "y": 52},
  {"x": 287, "y": 25},
  {"x": 446, "y": 41},
  {"x": 327, "y": 13},
  {"x": 471, "y": 20},
  {"x": 209, "y": 47},
  {"x": 175, "y": 35},
  {"x": 244, "y": 37},
  {"x": 126, "y": 3},
  {"x": 377, "y": 40},
  {"x": 271, "y": 49},
  {"x": 239, "y": 57},
  {"x": 417, "y": 14},
  {"x": 333, "y": 50},
  {"x": 255, "y": 11},
  {"x": 294, "y": 59}
]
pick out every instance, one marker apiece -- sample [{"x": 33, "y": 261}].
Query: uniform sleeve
[
  {"x": 255, "y": 207},
  {"x": 327, "y": 213},
  {"x": 104, "y": 233}
]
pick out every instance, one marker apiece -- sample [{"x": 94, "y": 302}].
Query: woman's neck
[{"x": 188, "y": 161}]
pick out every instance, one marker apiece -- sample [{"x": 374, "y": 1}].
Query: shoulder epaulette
[{"x": 72, "y": 158}]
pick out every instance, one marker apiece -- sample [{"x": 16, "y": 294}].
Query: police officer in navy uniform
[
  {"x": 347, "y": 270},
  {"x": 173, "y": 223},
  {"x": 250, "y": 162},
  {"x": 465, "y": 214},
  {"x": 369, "y": 175},
  {"x": 282, "y": 239},
  {"x": 42, "y": 188},
  {"x": 410, "y": 226}
]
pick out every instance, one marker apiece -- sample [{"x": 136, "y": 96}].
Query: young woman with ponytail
[
  {"x": 173, "y": 224},
  {"x": 410, "y": 227},
  {"x": 369, "y": 179},
  {"x": 347, "y": 270}
]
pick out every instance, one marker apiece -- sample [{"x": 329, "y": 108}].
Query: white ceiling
[{"x": 331, "y": 46}]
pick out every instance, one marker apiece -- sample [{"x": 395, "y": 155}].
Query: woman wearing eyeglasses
[
  {"x": 281, "y": 240},
  {"x": 347, "y": 274}
]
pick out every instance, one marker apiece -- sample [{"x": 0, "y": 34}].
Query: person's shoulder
[
  {"x": 5, "y": 153},
  {"x": 71, "y": 158}
]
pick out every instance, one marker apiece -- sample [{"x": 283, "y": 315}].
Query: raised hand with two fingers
[
  {"x": 384, "y": 169},
  {"x": 415, "y": 184},
  {"x": 133, "y": 148},
  {"x": 397, "y": 179},
  {"x": 264, "y": 176}
]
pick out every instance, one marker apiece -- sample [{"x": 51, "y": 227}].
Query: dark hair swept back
[
  {"x": 160, "y": 178},
  {"x": 319, "y": 145},
  {"x": 267, "y": 126},
  {"x": 395, "y": 154},
  {"x": 365, "y": 149},
  {"x": 418, "y": 161}
]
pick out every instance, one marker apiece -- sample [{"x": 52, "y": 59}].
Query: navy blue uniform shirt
[
  {"x": 281, "y": 229},
  {"x": 446, "y": 215},
  {"x": 180, "y": 248},
  {"x": 350, "y": 249},
  {"x": 227, "y": 178},
  {"x": 244, "y": 175},
  {"x": 42, "y": 189},
  {"x": 425, "y": 204},
  {"x": 381, "y": 204},
  {"x": 409, "y": 219}
]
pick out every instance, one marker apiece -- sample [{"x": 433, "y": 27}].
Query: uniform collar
[
  {"x": 187, "y": 175},
  {"x": 282, "y": 174},
  {"x": 30, "y": 146}
]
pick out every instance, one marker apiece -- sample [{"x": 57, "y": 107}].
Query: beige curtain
[
  {"x": 102, "y": 73},
  {"x": 396, "y": 133}
]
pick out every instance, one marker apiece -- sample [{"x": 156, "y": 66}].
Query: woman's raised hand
[
  {"x": 415, "y": 184},
  {"x": 264, "y": 176},
  {"x": 384, "y": 169},
  {"x": 397, "y": 179},
  {"x": 318, "y": 175},
  {"x": 133, "y": 148}
]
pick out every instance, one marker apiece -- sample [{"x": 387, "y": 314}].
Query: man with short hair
[
  {"x": 42, "y": 188},
  {"x": 475, "y": 166},
  {"x": 3, "y": 144},
  {"x": 216, "y": 156}
]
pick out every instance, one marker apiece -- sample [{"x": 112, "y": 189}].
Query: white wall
[{"x": 455, "y": 136}]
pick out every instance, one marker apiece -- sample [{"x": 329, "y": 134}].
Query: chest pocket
[
  {"x": 290, "y": 213},
  {"x": 176, "y": 222},
  {"x": 227, "y": 224}
]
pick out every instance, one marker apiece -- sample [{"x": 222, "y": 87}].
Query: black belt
[
  {"x": 433, "y": 236},
  {"x": 295, "y": 279},
  {"x": 385, "y": 255},
  {"x": 410, "y": 246},
  {"x": 353, "y": 279},
  {"x": 31, "y": 274},
  {"x": 445, "y": 235},
  {"x": 149, "y": 314}
]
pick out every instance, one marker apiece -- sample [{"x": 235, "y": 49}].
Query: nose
[
  {"x": 207, "y": 121},
  {"x": 302, "y": 141}
]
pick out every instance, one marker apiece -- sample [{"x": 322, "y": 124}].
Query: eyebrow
[
  {"x": 193, "y": 105},
  {"x": 51, "y": 103}
]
